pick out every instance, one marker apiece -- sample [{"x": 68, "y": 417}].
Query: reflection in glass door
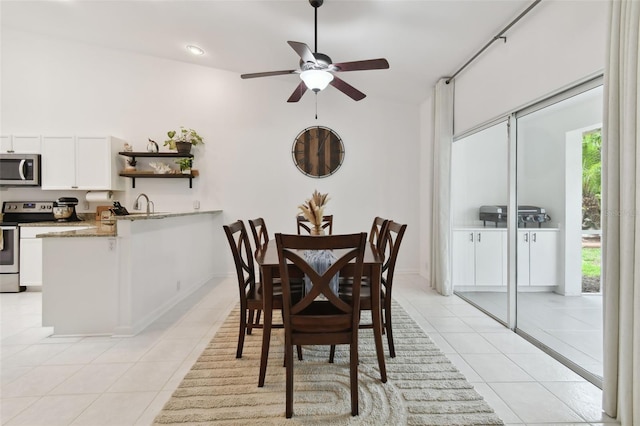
[
  {"x": 551, "y": 306},
  {"x": 479, "y": 197}
]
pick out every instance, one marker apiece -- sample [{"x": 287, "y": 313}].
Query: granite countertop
[
  {"x": 99, "y": 229},
  {"x": 92, "y": 228},
  {"x": 109, "y": 228},
  {"x": 161, "y": 215}
]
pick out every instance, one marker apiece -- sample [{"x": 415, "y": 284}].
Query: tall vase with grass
[{"x": 313, "y": 210}]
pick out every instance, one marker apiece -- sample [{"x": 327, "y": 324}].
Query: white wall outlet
[
  {"x": 178, "y": 285},
  {"x": 85, "y": 205},
  {"x": 196, "y": 205}
]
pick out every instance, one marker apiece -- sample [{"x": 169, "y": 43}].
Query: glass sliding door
[
  {"x": 551, "y": 306},
  {"x": 479, "y": 197},
  {"x": 526, "y": 224}
]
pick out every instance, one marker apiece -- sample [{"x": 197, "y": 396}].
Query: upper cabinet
[
  {"x": 81, "y": 162},
  {"x": 20, "y": 144}
]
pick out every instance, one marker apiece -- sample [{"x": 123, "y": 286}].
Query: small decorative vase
[
  {"x": 317, "y": 230},
  {"x": 183, "y": 147}
]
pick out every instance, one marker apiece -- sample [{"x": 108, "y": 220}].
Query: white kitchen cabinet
[
  {"x": 20, "y": 144},
  {"x": 479, "y": 257},
  {"x": 81, "y": 162},
  {"x": 30, "y": 262},
  {"x": 538, "y": 257},
  {"x": 31, "y": 252},
  {"x": 58, "y": 162}
]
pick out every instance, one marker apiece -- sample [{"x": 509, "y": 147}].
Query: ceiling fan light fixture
[{"x": 316, "y": 80}]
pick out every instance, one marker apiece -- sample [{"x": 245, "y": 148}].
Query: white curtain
[
  {"x": 441, "y": 202},
  {"x": 621, "y": 216}
]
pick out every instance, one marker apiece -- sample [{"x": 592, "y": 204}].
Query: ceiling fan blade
[
  {"x": 303, "y": 51},
  {"x": 268, "y": 73},
  {"x": 347, "y": 89},
  {"x": 297, "y": 94},
  {"x": 370, "y": 64}
]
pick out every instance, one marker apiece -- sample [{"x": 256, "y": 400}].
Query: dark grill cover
[{"x": 526, "y": 214}]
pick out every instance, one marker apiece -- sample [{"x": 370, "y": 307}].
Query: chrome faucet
[{"x": 150, "y": 205}]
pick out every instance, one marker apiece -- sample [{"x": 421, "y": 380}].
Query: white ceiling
[{"x": 422, "y": 40}]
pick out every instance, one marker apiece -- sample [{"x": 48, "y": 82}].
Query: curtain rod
[{"x": 499, "y": 36}]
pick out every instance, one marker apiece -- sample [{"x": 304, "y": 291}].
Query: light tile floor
[
  {"x": 570, "y": 325},
  {"x": 126, "y": 381}
]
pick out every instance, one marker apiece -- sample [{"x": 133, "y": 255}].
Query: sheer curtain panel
[
  {"x": 621, "y": 216},
  {"x": 441, "y": 208}
]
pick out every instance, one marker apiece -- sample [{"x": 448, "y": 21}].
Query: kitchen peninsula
[{"x": 115, "y": 279}]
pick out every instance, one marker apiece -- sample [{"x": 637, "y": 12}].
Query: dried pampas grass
[{"x": 313, "y": 208}]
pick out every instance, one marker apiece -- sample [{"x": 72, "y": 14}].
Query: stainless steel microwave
[{"x": 19, "y": 169}]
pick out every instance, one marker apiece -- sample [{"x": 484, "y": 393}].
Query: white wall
[
  {"x": 479, "y": 175},
  {"x": 555, "y": 45},
  {"x": 58, "y": 87}
]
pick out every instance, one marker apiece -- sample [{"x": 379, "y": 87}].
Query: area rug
[{"x": 423, "y": 387}]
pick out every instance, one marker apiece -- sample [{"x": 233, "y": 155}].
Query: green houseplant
[
  {"x": 183, "y": 139},
  {"x": 185, "y": 165}
]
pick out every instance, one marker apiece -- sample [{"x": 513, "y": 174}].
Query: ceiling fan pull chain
[{"x": 316, "y": 104}]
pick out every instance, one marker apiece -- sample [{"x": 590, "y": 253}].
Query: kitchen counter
[
  {"x": 122, "y": 283},
  {"x": 162, "y": 215},
  {"x": 95, "y": 228}
]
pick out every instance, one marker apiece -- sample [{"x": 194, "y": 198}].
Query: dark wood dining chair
[
  {"x": 304, "y": 224},
  {"x": 260, "y": 238},
  {"x": 321, "y": 317},
  {"x": 389, "y": 248},
  {"x": 378, "y": 228},
  {"x": 251, "y": 302},
  {"x": 259, "y": 231}
]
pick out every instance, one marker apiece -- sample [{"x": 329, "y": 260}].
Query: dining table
[{"x": 267, "y": 259}]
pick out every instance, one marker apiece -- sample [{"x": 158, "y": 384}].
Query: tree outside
[{"x": 591, "y": 209}]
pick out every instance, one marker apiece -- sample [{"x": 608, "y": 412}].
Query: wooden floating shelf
[
  {"x": 146, "y": 175},
  {"x": 143, "y": 174},
  {"x": 155, "y": 154}
]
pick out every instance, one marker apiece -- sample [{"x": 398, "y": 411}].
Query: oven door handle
[{"x": 21, "y": 169}]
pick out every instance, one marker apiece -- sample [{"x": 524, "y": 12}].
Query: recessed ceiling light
[{"x": 195, "y": 50}]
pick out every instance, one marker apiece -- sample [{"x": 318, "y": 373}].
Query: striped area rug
[{"x": 423, "y": 387}]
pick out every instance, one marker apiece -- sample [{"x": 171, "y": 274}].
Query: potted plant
[
  {"x": 185, "y": 165},
  {"x": 183, "y": 140}
]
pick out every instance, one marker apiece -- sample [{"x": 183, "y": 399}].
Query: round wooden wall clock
[{"x": 318, "y": 151}]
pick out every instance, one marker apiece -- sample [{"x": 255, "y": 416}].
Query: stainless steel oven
[
  {"x": 14, "y": 213},
  {"x": 20, "y": 170},
  {"x": 10, "y": 258}
]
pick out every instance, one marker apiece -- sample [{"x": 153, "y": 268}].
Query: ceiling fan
[{"x": 317, "y": 70}]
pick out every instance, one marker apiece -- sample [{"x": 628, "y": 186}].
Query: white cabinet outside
[
  {"x": 464, "y": 258},
  {"x": 479, "y": 257},
  {"x": 538, "y": 257},
  {"x": 20, "y": 144},
  {"x": 81, "y": 162}
]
